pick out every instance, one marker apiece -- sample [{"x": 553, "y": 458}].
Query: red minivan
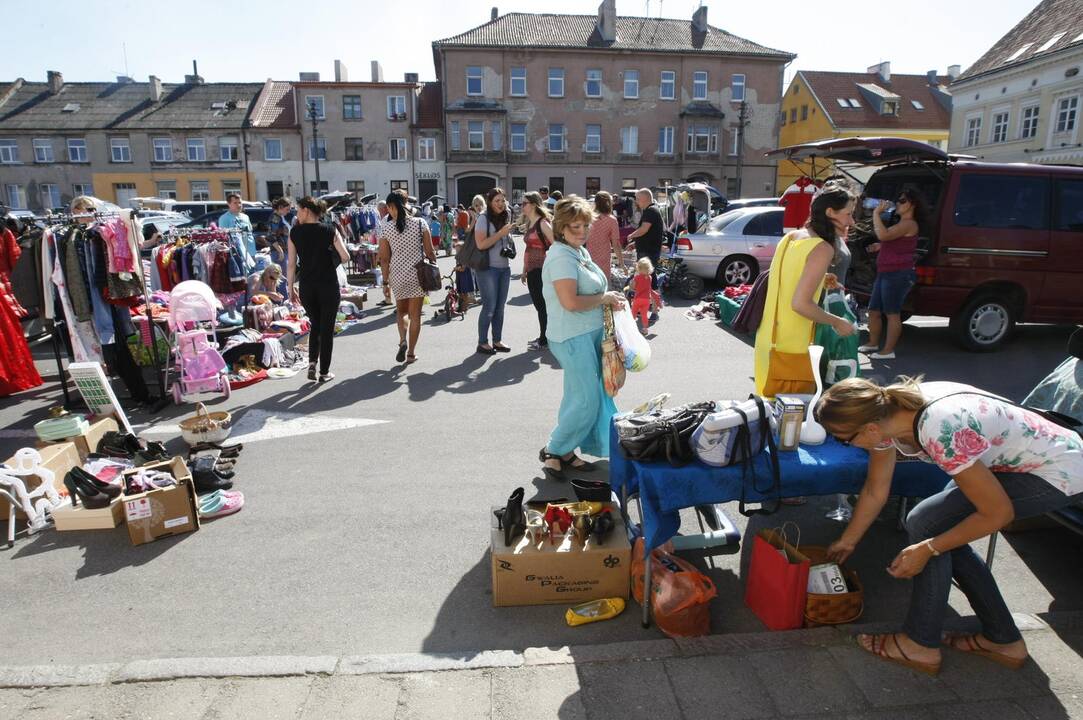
[{"x": 1004, "y": 242}]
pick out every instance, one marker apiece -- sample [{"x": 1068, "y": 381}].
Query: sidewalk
[{"x": 818, "y": 673}]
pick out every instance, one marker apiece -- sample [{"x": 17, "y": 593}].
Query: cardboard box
[
  {"x": 58, "y": 457},
  {"x": 88, "y": 443},
  {"x": 80, "y": 518},
  {"x": 163, "y": 512},
  {"x": 566, "y": 573}
]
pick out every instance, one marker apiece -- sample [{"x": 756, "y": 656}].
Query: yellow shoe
[{"x": 594, "y": 611}]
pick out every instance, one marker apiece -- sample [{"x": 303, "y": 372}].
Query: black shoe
[
  {"x": 486, "y": 350},
  {"x": 513, "y": 518},
  {"x": 400, "y": 356},
  {"x": 602, "y": 525},
  {"x": 552, "y": 473},
  {"x": 592, "y": 490},
  {"x": 501, "y": 348}
]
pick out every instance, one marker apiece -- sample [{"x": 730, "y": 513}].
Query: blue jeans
[
  {"x": 1030, "y": 495},
  {"x": 493, "y": 283},
  {"x": 585, "y": 409},
  {"x": 889, "y": 291}
]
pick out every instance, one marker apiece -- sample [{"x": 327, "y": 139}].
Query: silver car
[{"x": 735, "y": 247}]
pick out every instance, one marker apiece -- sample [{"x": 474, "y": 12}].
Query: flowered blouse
[{"x": 960, "y": 430}]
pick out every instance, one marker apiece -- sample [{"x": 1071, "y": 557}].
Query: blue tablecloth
[{"x": 817, "y": 470}]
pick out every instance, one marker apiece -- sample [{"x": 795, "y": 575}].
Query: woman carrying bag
[
  {"x": 492, "y": 234},
  {"x": 404, "y": 240}
]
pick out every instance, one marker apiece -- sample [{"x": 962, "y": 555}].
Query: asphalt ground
[{"x": 374, "y": 539}]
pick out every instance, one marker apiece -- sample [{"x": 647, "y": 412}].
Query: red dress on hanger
[{"x": 17, "y": 371}]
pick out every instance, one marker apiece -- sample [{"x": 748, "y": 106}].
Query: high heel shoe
[
  {"x": 558, "y": 519},
  {"x": 603, "y": 525},
  {"x": 91, "y": 497},
  {"x": 556, "y": 474},
  {"x": 90, "y": 481},
  {"x": 514, "y": 519}
]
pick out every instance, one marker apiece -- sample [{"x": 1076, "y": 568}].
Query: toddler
[{"x": 644, "y": 293}]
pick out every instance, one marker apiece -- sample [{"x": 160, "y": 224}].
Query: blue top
[
  {"x": 242, "y": 223},
  {"x": 496, "y": 260},
  {"x": 563, "y": 262}
]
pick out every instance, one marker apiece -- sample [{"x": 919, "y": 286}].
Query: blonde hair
[
  {"x": 571, "y": 209},
  {"x": 852, "y": 403},
  {"x": 271, "y": 268},
  {"x": 478, "y": 203},
  {"x": 85, "y": 203},
  {"x": 644, "y": 266}
]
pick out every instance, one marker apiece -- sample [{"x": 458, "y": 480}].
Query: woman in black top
[{"x": 315, "y": 251}]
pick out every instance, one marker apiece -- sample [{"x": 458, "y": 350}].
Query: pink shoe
[{"x": 220, "y": 505}]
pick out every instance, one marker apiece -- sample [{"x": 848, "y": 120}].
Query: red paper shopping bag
[{"x": 777, "y": 581}]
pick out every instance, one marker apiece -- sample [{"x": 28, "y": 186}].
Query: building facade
[
  {"x": 586, "y": 103},
  {"x": 273, "y": 144},
  {"x": 429, "y": 149},
  {"x": 1021, "y": 101},
  {"x": 821, "y": 105}
]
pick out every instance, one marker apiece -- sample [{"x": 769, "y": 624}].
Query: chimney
[
  {"x": 882, "y": 69},
  {"x": 342, "y": 74},
  {"x": 377, "y": 72},
  {"x": 308, "y": 77},
  {"x": 194, "y": 78},
  {"x": 124, "y": 80},
  {"x": 410, "y": 77},
  {"x": 932, "y": 78},
  {"x": 607, "y": 20},
  {"x": 155, "y": 89},
  {"x": 56, "y": 81},
  {"x": 953, "y": 71},
  {"x": 494, "y": 14},
  {"x": 699, "y": 20}
]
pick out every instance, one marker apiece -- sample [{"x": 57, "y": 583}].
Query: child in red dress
[{"x": 644, "y": 293}]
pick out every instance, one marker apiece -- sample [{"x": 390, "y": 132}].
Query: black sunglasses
[
  {"x": 902, "y": 200},
  {"x": 848, "y": 440}
]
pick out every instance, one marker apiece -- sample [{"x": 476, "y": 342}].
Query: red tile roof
[
  {"x": 828, "y": 87},
  {"x": 1058, "y": 20},
  {"x": 430, "y": 106}
]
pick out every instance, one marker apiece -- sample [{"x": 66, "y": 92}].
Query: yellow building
[
  {"x": 180, "y": 185},
  {"x": 823, "y": 105}
]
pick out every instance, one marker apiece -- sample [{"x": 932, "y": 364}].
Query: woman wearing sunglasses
[
  {"x": 1005, "y": 463},
  {"x": 894, "y": 271}
]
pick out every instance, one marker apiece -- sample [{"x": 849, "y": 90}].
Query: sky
[{"x": 249, "y": 41}]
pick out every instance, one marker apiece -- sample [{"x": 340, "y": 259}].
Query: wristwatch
[{"x": 929, "y": 544}]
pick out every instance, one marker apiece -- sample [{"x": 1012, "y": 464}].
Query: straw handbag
[
  {"x": 613, "y": 372},
  {"x": 206, "y": 426},
  {"x": 833, "y": 609}
]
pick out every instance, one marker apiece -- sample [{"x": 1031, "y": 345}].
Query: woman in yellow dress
[{"x": 798, "y": 272}]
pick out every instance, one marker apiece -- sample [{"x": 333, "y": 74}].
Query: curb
[{"x": 740, "y": 644}]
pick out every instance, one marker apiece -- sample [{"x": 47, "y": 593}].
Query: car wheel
[
  {"x": 738, "y": 270},
  {"x": 984, "y": 323},
  {"x": 691, "y": 287}
]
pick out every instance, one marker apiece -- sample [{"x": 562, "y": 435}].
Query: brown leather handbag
[{"x": 787, "y": 373}]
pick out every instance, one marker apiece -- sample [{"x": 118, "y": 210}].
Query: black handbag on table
[{"x": 662, "y": 434}]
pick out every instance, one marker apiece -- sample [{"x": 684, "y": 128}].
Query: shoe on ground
[
  {"x": 882, "y": 356},
  {"x": 327, "y": 377},
  {"x": 868, "y": 349}
]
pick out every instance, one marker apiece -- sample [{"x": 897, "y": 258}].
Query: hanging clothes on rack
[{"x": 17, "y": 371}]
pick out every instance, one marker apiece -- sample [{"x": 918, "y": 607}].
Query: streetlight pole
[
  {"x": 314, "y": 117},
  {"x": 742, "y": 121}
]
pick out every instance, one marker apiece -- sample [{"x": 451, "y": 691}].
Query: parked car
[
  {"x": 751, "y": 202},
  {"x": 258, "y": 216},
  {"x": 735, "y": 246},
  {"x": 196, "y": 208},
  {"x": 1003, "y": 242}
]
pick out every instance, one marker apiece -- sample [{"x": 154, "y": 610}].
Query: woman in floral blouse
[{"x": 1005, "y": 462}]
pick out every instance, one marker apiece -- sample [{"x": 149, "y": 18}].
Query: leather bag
[
  {"x": 787, "y": 373},
  {"x": 469, "y": 256},
  {"x": 662, "y": 434},
  {"x": 613, "y": 372},
  {"x": 428, "y": 273}
]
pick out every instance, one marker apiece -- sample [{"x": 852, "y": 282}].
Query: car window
[
  {"x": 767, "y": 223},
  {"x": 1002, "y": 201},
  {"x": 719, "y": 223},
  {"x": 1068, "y": 206}
]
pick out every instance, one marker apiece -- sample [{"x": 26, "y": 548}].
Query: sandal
[
  {"x": 401, "y": 354},
  {"x": 327, "y": 377},
  {"x": 583, "y": 466},
  {"x": 880, "y": 651},
  {"x": 411, "y": 358},
  {"x": 312, "y": 371},
  {"x": 552, "y": 473},
  {"x": 972, "y": 646}
]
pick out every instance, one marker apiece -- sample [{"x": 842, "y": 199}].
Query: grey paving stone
[
  {"x": 13, "y": 700},
  {"x": 444, "y": 695},
  {"x": 1054, "y": 663},
  {"x": 358, "y": 696},
  {"x": 532, "y": 693},
  {"x": 719, "y": 686},
  {"x": 974, "y": 678},
  {"x": 54, "y": 675},
  {"x": 427, "y": 662},
  {"x": 806, "y": 681},
  {"x": 637, "y": 650},
  {"x": 742, "y": 643},
  {"x": 69, "y": 703},
  {"x": 261, "y": 699},
  {"x": 627, "y": 692},
  {"x": 1053, "y": 707},
  {"x": 885, "y": 684},
  {"x": 173, "y": 700},
  {"x": 222, "y": 667},
  {"x": 991, "y": 710}
]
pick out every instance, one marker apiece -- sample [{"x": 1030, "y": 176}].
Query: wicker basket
[
  {"x": 833, "y": 609},
  {"x": 206, "y": 426}
]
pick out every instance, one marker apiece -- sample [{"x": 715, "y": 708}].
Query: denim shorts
[{"x": 890, "y": 289}]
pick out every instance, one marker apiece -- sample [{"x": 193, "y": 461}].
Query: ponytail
[{"x": 854, "y": 402}]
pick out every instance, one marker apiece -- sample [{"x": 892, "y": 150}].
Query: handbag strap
[
  {"x": 748, "y": 465},
  {"x": 778, "y": 294}
]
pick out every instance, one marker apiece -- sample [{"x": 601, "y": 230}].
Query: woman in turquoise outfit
[{"x": 574, "y": 289}]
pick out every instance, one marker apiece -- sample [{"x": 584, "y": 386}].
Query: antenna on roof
[{"x": 124, "y": 49}]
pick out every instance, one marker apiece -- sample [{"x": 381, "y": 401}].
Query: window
[
  {"x": 355, "y": 148},
  {"x": 163, "y": 149},
  {"x": 123, "y": 193},
  {"x": 43, "y": 151},
  {"x": 594, "y": 83},
  {"x": 76, "y": 150},
  {"x": 793, "y": 115},
  {"x": 737, "y": 88},
  {"x": 227, "y": 148},
  {"x": 628, "y": 184},
  {"x": 1000, "y": 126},
  {"x": 973, "y": 131},
  {"x": 1028, "y": 124},
  {"x": 275, "y": 189},
  {"x": 231, "y": 186},
  {"x": 518, "y": 137},
  {"x": 426, "y": 148},
  {"x": 9, "y": 152},
  {"x": 556, "y": 183},
  {"x": 594, "y": 139},
  {"x": 699, "y": 85},
  {"x": 396, "y": 107},
  {"x": 593, "y": 186},
  {"x": 1068, "y": 206},
  {"x": 887, "y": 107},
  {"x": 475, "y": 135},
  {"x": 518, "y": 186},
  {"x": 631, "y": 84},
  {"x": 667, "y": 88},
  {"x": 314, "y": 102},
  {"x": 473, "y": 81},
  {"x": 197, "y": 150},
  {"x": 318, "y": 188},
  {"x": 556, "y": 82},
  {"x": 496, "y": 130},
  {"x": 665, "y": 140},
  {"x": 398, "y": 149},
  {"x": 917, "y": 105},
  {"x": 629, "y": 140},
  {"x": 357, "y": 187},
  {"x": 855, "y": 103},
  {"x": 272, "y": 149},
  {"x": 16, "y": 197},
  {"x": 351, "y": 107},
  {"x": 400, "y": 185},
  {"x": 518, "y": 82},
  {"x": 119, "y": 150},
  {"x": 702, "y": 139},
  {"x": 455, "y": 135},
  {"x": 783, "y": 115},
  {"x": 319, "y": 149},
  {"x": 1002, "y": 201},
  {"x": 765, "y": 224},
  {"x": 1066, "y": 112},
  {"x": 50, "y": 195},
  {"x": 735, "y": 146},
  {"x": 167, "y": 189},
  {"x": 804, "y": 112},
  {"x": 556, "y": 139},
  {"x": 78, "y": 189}
]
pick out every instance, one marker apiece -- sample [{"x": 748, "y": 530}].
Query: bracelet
[{"x": 929, "y": 544}]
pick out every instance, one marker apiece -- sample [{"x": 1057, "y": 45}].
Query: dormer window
[{"x": 889, "y": 107}]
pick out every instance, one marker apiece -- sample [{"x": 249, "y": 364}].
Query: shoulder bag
[
  {"x": 613, "y": 371},
  {"x": 787, "y": 373},
  {"x": 428, "y": 274},
  {"x": 662, "y": 434},
  {"x": 469, "y": 255}
]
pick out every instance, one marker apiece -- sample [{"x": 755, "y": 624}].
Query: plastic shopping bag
[
  {"x": 840, "y": 353},
  {"x": 637, "y": 351},
  {"x": 680, "y": 594}
]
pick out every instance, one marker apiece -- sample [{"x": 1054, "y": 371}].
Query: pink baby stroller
[{"x": 193, "y": 316}]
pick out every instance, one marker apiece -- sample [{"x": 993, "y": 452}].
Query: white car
[{"x": 735, "y": 246}]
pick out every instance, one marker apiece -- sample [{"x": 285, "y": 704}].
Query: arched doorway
[{"x": 467, "y": 186}]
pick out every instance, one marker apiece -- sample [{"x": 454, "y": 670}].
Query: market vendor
[
  {"x": 1006, "y": 462},
  {"x": 269, "y": 283}
]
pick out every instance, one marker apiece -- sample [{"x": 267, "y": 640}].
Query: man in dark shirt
[{"x": 647, "y": 238}]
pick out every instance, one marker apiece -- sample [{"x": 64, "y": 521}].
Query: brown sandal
[
  {"x": 932, "y": 669},
  {"x": 974, "y": 648},
  {"x": 411, "y": 358}
]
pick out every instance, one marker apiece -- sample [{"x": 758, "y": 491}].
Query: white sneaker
[
  {"x": 868, "y": 348},
  {"x": 882, "y": 356}
]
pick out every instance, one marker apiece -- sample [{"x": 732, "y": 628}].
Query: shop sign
[{"x": 427, "y": 176}]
